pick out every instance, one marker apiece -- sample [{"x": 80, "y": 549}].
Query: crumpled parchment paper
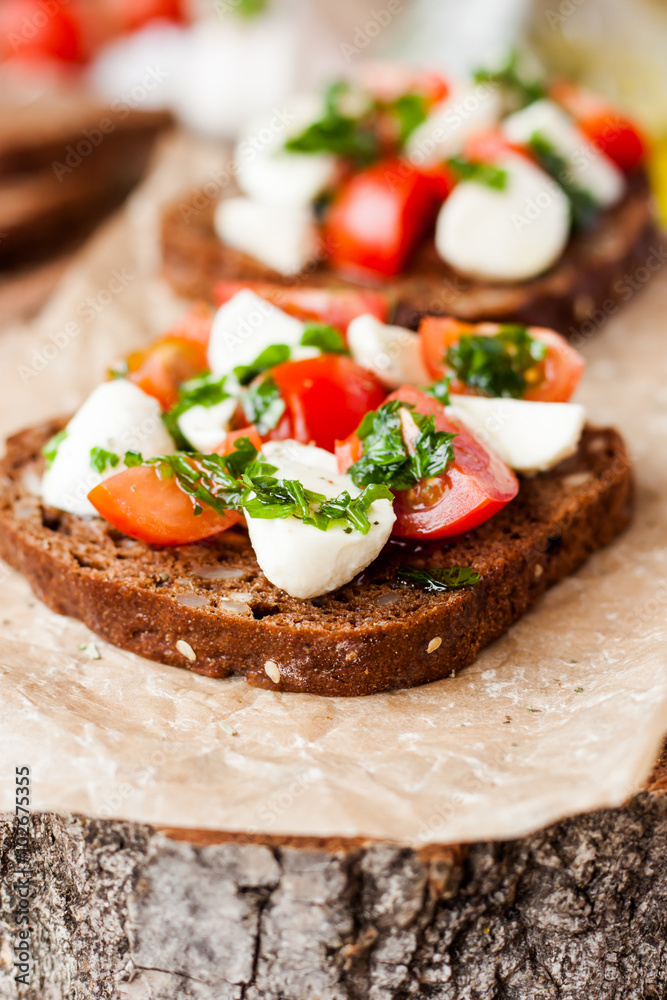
[{"x": 563, "y": 714}]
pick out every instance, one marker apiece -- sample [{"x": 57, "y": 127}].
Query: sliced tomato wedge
[
  {"x": 473, "y": 488},
  {"x": 229, "y": 444},
  {"x": 379, "y": 217},
  {"x": 613, "y": 134},
  {"x": 160, "y": 369},
  {"x": 325, "y": 397},
  {"x": 157, "y": 511},
  {"x": 559, "y": 373},
  {"x": 333, "y": 306},
  {"x": 32, "y": 31}
]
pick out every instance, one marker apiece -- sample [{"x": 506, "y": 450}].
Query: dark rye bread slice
[
  {"x": 583, "y": 286},
  {"x": 368, "y": 636}
]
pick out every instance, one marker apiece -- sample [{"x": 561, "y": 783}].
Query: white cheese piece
[
  {"x": 205, "y": 426},
  {"x": 392, "y": 352},
  {"x": 283, "y": 238},
  {"x": 117, "y": 416},
  {"x": 505, "y": 235},
  {"x": 271, "y": 175},
  {"x": 468, "y": 109},
  {"x": 299, "y": 558},
  {"x": 528, "y": 436},
  {"x": 589, "y": 168},
  {"x": 245, "y": 326}
]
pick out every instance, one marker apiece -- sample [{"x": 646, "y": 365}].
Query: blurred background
[{"x": 87, "y": 86}]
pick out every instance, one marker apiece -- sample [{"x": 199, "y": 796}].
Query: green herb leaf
[
  {"x": 409, "y": 110},
  {"x": 353, "y": 137},
  {"x": 273, "y": 355},
  {"x": 325, "y": 338},
  {"x": 263, "y": 405},
  {"x": 583, "y": 206},
  {"x": 101, "y": 459},
  {"x": 508, "y": 77},
  {"x": 204, "y": 390},
  {"x": 50, "y": 449},
  {"x": 497, "y": 365},
  {"x": 249, "y": 9},
  {"x": 480, "y": 173},
  {"x": 452, "y": 578},
  {"x": 385, "y": 455},
  {"x": 440, "y": 390},
  {"x": 132, "y": 459},
  {"x": 276, "y": 498}
]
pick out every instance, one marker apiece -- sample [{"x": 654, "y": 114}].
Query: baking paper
[{"x": 564, "y": 714}]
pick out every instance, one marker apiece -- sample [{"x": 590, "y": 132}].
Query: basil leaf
[
  {"x": 325, "y": 338},
  {"x": 409, "y": 110},
  {"x": 583, "y": 207},
  {"x": 452, "y": 578},
  {"x": 508, "y": 77},
  {"x": 101, "y": 459},
  {"x": 132, "y": 459},
  {"x": 263, "y": 405},
  {"x": 353, "y": 137},
  {"x": 204, "y": 390},
  {"x": 273, "y": 355},
  {"x": 497, "y": 365},
  {"x": 385, "y": 455},
  {"x": 275, "y": 498},
  {"x": 50, "y": 449},
  {"x": 440, "y": 390},
  {"x": 480, "y": 173}
]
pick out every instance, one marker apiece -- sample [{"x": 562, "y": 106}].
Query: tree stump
[{"x": 126, "y": 911}]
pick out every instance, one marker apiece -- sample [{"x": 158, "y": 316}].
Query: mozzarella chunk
[
  {"x": 204, "y": 427},
  {"x": 268, "y": 173},
  {"x": 117, "y": 416},
  {"x": 299, "y": 558},
  {"x": 283, "y": 238},
  {"x": 528, "y": 436},
  {"x": 392, "y": 352},
  {"x": 245, "y": 326},
  {"x": 469, "y": 109},
  {"x": 505, "y": 235},
  {"x": 590, "y": 169}
]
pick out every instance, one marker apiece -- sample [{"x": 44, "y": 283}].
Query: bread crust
[
  {"x": 585, "y": 286},
  {"x": 371, "y": 635}
]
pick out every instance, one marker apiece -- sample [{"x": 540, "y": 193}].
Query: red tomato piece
[
  {"x": 379, "y": 217},
  {"x": 157, "y": 511},
  {"x": 491, "y": 145},
  {"x": 333, "y": 306},
  {"x": 28, "y": 30},
  {"x": 326, "y": 398},
  {"x": 387, "y": 81},
  {"x": 613, "y": 134},
  {"x": 561, "y": 369},
  {"x": 472, "y": 489},
  {"x": 160, "y": 369},
  {"x": 128, "y": 15},
  {"x": 229, "y": 444},
  {"x": 441, "y": 178},
  {"x": 195, "y": 326}
]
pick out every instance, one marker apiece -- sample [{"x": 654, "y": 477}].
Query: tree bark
[{"x": 125, "y": 911}]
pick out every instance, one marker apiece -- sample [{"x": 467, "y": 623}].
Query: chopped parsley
[
  {"x": 243, "y": 481},
  {"x": 480, "y": 173},
  {"x": 508, "y": 77},
  {"x": 583, "y": 207},
  {"x": 386, "y": 457},
  {"x": 452, "y": 578},
  {"x": 101, "y": 459},
  {"x": 271, "y": 356},
  {"x": 204, "y": 390},
  {"x": 440, "y": 390},
  {"x": 497, "y": 365},
  {"x": 263, "y": 405},
  {"x": 325, "y": 338},
  {"x": 50, "y": 449}
]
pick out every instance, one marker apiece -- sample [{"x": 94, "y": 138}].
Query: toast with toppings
[
  {"x": 533, "y": 206},
  {"x": 208, "y": 608}
]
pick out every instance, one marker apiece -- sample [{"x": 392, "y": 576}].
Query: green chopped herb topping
[
  {"x": 101, "y": 459},
  {"x": 480, "y": 173},
  {"x": 325, "y": 338},
  {"x": 583, "y": 207},
  {"x": 263, "y": 405},
  {"x": 271, "y": 356},
  {"x": 50, "y": 449},
  {"x": 204, "y": 390},
  {"x": 386, "y": 457},
  {"x": 497, "y": 365},
  {"x": 440, "y": 390},
  {"x": 287, "y": 497},
  {"x": 452, "y": 578},
  {"x": 509, "y": 78}
]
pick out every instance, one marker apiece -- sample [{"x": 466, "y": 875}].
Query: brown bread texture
[
  {"x": 371, "y": 635},
  {"x": 586, "y": 284}
]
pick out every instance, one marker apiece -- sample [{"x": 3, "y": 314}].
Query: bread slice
[
  {"x": 579, "y": 287},
  {"x": 373, "y": 634}
]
